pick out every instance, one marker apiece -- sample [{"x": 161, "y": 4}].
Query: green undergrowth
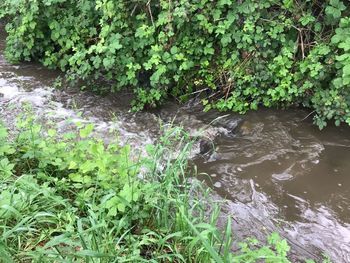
[
  {"x": 69, "y": 197},
  {"x": 237, "y": 55}
]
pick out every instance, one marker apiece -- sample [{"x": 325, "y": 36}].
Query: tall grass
[{"x": 72, "y": 198}]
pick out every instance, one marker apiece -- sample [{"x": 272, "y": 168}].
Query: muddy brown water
[
  {"x": 276, "y": 170},
  {"x": 282, "y": 174}
]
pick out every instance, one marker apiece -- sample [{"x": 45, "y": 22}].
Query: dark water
[{"x": 277, "y": 171}]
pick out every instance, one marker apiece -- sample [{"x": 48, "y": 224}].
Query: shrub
[{"x": 242, "y": 53}]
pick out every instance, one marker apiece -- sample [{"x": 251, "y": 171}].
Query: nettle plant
[
  {"x": 240, "y": 54},
  {"x": 77, "y": 165}
]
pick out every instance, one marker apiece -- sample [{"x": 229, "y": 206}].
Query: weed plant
[{"x": 72, "y": 198}]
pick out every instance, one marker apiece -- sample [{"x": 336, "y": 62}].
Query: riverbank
[
  {"x": 68, "y": 197},
  {"x": 308, "y": 204},
  {"x": 31, "y": 83}
]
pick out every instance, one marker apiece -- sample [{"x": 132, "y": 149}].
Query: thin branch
[
  {"x": 133, "y": 11},
  {"x": 302, "y": 44},
  {"x": 307, "y": 116},
  {"x": 150, "y": 11},
  {"x": 198, "y": 91}
]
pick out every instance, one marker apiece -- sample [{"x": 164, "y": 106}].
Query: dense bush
[{"x": 241, "y": 53}]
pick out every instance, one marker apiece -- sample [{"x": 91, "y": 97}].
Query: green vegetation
[
  {"x": 71, "y": 198},
  {"x": 241, "y": 53}
]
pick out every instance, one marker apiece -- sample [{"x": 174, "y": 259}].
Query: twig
[
  {"x": 150, "y": 11},
  {"x": 133, "y": 11},
  {"x": 302, "y": 44},
  {"x": 198, "y": 91},
  {"x": 297, "y": 43},
  {"x": 307, "y": 116}
]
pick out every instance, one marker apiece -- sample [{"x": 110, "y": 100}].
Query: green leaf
[
  {"x": 51, "y": 132},
  {"x": 87, "y": 130},
  {"x": 72, "y": 165},
  {"x": 76, "y": 177},
  {"x": 346, "y": 70}
]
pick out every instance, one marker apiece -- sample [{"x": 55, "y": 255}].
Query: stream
[{"x": 276, "y": 170}]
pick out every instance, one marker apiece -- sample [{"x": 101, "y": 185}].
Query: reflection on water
[{"x": 277, "y": 171}]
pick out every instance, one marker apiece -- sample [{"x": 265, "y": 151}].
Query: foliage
[
  {"x": 244, "y": 54},
  {"x": 71, "y": 198}
]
